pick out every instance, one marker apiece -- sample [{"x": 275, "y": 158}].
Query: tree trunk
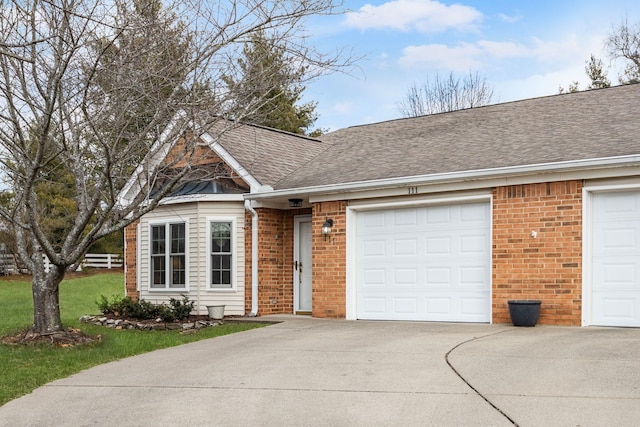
[{"x": 46, "y": 305}]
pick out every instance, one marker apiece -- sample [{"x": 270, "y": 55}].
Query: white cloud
[
  {"x": 465, "y": 56},
  {"x": 459, "y": 58},
  {"x": 509, "y": 19},
  {"x": 414, "y": 15},
  {"x": 343, "y": 107}
]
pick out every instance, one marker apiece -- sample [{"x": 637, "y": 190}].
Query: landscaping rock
[{"x": 155, "y": 324}]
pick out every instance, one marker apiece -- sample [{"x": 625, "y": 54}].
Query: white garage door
[
  {"x": 616, "y": 259},
  {"x": 424, "y": 263}
]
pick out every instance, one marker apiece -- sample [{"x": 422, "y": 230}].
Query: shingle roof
[
  {"x": 578, "y": 126},
  {"x": 268, "y": 154}
]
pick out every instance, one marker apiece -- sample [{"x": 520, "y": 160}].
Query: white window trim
[
  {"x": 588, "y": 192},
  {"x": 168, "y": 221},
  {"x": 234, "y": 253}
]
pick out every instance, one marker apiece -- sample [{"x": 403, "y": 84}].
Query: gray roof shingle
[
  {"x": 268, "y": 154},
  {"x": 578, "y": 126}
]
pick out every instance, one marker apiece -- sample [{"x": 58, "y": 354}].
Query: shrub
[
  {"x": 181, "y": 309},
  {"x": 143, "y": 310}
]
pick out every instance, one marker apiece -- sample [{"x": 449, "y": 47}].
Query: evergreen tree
[
  {"x": 595, "y": 71},
  {"x": 280, "y": 92}
]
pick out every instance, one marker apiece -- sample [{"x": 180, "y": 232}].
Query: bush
[
  {"x": 143, "y": 310},
  {"x": 181, "y": 309}
]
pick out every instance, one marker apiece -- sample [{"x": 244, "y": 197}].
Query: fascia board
[
  {"x": 510, "y": 172},
  {"x": 202, "y": 198}
]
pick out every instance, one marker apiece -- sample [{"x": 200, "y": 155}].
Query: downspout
[{"x": 254, "y": 258}]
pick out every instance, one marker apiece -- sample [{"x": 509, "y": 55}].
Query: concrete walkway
[{"x": 345, "y": 373}]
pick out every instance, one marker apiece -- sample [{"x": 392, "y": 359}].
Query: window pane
[
  {"x": 177, "y": 238},
  {"x": 157, "y": 239},
  {"x": 226, "y": 262},
  {"x": 226, "y": 277},
  {"x": 216, "y": 278},
  {"x": 178, "y": 271},
  {"x": 158, "y": 271},
  {"x": 221, "y": 237}
]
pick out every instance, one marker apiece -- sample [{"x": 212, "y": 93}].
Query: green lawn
[{"x": 24, "y": 368}]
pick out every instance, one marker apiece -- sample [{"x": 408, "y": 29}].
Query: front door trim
[{"x": 298, "y": 253}]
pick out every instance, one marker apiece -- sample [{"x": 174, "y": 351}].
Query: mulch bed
[
  {"x": 73, "y": 336},
  {"x": 68, "y": 338}
]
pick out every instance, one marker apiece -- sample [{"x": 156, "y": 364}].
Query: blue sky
[{"x": 524, "y": 49}]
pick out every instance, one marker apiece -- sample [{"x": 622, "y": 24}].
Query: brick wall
[
  {"x": 130, "y": 259},
  {"x": 548, "y": 267},
  {"x": 329, "y": 260},
  {"x": 275, "y": 262}
]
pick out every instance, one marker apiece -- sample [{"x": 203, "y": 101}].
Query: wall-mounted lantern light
[
  {"x": 295, "y": 203},
  {"x": 326, "y": 228}
]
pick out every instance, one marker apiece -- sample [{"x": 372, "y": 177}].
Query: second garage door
[
  {"x": 427, "y": 263},
  {"x": 616, "y": 259}
]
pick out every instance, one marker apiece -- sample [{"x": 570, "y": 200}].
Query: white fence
[
  {"x": 102, "y": 261},
  {"x": 8, "y": 263}
]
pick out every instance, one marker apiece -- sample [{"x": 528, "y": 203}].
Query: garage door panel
[
  {"x": 615, "y": 259},
  {"x": 616, "y": 275},
  {"x": 472, "y": 306},
  {"x": 438, "y": 276},
  {"x": 438, "y": 245},
  {"x": 405, "y": 306},
  {"x": 374, "y": 277},
  {"x": 474, "y": 276},
  {"x": 617, "y": 206},
  {"x": 374, "y": 248},
  {"x": 405, "y": 276},
  {"x": 405, "y": 247},
  {"x": 434, "y": 264},
  {"x": 473, "y": 244},
  {"x": 405, "y": 218},
  {"x": 616, "y": 309},
  {"x": 474, "y": 214}
]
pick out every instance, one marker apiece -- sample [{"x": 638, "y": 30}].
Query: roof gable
[{"x": 267, "y": 155}]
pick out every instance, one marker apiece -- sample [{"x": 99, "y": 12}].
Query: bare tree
[
  {"x": 624, "y": 43},
  {"x": 93, "y": 90},
  {"x": 448, "y": 94}
]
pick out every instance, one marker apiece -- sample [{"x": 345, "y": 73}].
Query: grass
[{"x": 24, "y": 368}]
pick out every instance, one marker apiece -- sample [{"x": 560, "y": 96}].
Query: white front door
[
  {"x": 616, "y": 259},
  {"x": 302, "y": 272},
  {"x": 430, "y": 263}
]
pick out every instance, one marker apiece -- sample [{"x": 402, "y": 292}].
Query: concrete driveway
[{"x": 318, "y": 372}]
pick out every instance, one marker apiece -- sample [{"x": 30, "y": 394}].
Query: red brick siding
[
  {"x": 329, "y": 261},
  {"x": 275, "y": 260},
  {"x": 549, "y": 267},
  {"x": 130, "y": 259}
]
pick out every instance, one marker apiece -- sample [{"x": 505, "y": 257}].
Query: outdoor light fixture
[
  {"x": 326, "y": 228},
  {"x": 295, "y": 203}
]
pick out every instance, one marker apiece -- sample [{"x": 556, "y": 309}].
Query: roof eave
[{"x": 452, "y": 177}]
